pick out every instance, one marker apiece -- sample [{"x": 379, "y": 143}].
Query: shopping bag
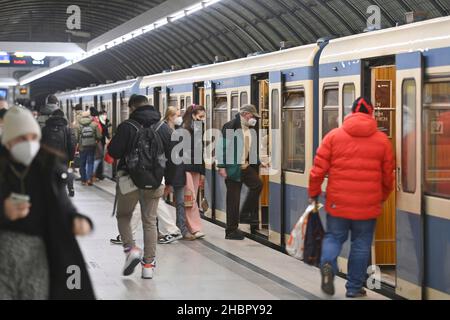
[
  {"x": 313, "y": 238},
  {"x": 108, "y": 159},
  {"x": 295, "y": 244}
]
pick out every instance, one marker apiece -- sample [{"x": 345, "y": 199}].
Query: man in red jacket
[{"x": 359, "y": 163}]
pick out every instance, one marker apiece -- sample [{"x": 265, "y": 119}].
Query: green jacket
[
  {"x": 87, "y": 121},
  {"x": 225, "y": 146}
]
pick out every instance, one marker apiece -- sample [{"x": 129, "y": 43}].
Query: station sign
[{"x": 9, "y": 60}]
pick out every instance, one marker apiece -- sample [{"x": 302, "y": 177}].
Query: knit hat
[
  {"x": 19, "y": 121},
  {"x": 362, "y": 105}
]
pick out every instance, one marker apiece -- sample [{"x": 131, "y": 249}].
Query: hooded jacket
[
  {"x": 122, "y": 142},
  {"x": 359, "y": 162},
  {"x": 46, "y": 112},
  {"x": 70, "y": 142}
]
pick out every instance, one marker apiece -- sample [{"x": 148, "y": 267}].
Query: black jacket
[
  {"x": 197, "y": 130},
  {"x": 71, "y": 141},
  {"x": 54, "y": 221},
  {"x": 176, "y": 174},
  {"x": 122, "y": 142}
]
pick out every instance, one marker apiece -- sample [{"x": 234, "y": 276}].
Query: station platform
[{"x": 209, "y": 269}]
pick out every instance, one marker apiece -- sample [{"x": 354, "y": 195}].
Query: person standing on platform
[
  {"x": 193, "y": 122},
  {"x": 359, "y": 163},
  {"x": 239, "y": 164},
  {"x": 51, "y": 105},
  {"x": 38, "y": 222},
  {"x": 88, "y": 135},
  {"x": 176, "y": 178},
  {"x": 105, "y": 124},
  {"x": 57, "y": 135}
]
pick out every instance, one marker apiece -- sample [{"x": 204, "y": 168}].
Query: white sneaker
[
  {"x": 134, "y": 257},
  {"x": 148, "y": 269},
  {"x": 199, "y": 235}
]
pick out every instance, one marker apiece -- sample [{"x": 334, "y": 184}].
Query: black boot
[{"x": 327, "y": 279}]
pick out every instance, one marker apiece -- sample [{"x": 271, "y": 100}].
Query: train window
[
  {"x": 275, "y": 109},
  {"x": 348, "y": 97},
  {"x": 294, "y": 130},
  {"x": 330, "y": 110},
  {"x": 173, "y": 102},
  {"x": 294, "y": 99},
  {"x": 234, "y": 106},
  {"x": 437, "y": 138},
  {"x": 244, "y": 98},
  {"x": 220, "y": 115},
  {"x": 409, "y": 140},
  {"x": 188, "y": 101}
]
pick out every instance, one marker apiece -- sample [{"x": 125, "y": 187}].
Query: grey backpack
[{"x": 87, "y": 137}]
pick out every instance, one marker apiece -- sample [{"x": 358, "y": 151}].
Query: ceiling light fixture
[{"x": 122, "y": 39}]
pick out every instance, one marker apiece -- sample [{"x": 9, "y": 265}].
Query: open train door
[
  {"x": 410, "y": 248},
  {"x": 210, "y": 174},
  {"x": 276, "y": 181}
]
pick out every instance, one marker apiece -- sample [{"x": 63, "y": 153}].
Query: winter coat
[
  {"x": 360, "y": 166},
  {"x": 70, "y": 140},
  {"x": 54, "y": 223},
  {"x": 87, "y": 121},
  {"x": 176, "y": 173},
  {"x": 45, "y": 113},
  {"x": 197, "y": 132},
  {"x": 122, "y": 142},
  {"x": 224, "y": 147}
]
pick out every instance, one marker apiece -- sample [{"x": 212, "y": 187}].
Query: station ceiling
[{"x": 230, "y": 28}]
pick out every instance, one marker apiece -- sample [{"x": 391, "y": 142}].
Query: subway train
[{"x": 302, "y": 93}]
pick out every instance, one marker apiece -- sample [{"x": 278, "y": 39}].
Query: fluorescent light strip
[{"x": 122, "y": 39}]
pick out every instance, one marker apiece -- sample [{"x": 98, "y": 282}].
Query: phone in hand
[{"x": 18, "y": 198}]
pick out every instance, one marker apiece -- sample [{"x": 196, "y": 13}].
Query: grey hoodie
[{"x": 45, "y": 113}]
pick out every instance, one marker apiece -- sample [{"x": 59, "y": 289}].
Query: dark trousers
[
  {"x": 251, "y": 179},
  {"x": 87, "y": 157}
]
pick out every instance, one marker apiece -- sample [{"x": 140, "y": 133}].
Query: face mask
[
  {"x": 24, "y": 152},
  {"x": 252, "y": 122},
  {"x": 178, "y": 121},
  {"x": 103, "y": 118}
]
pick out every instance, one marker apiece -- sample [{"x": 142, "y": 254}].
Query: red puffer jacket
[{"x": 360, "y": 166}]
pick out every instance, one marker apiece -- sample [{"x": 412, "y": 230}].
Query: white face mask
[
  {"x": 252, "y": 122},
  {"x": 178, "y": 121},
  {"x": 24, "y": 152}
]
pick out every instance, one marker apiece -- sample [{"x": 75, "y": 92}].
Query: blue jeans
[
  {"x": 179, "y": 204},
  {"x": 361, "y": 241},
  {"x": 87, "y": 157}
]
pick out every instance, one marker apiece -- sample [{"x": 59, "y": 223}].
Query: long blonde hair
[{"x": 170, "y": 112}]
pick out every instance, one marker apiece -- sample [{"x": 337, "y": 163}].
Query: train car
[
  {"x": 302, "y": 93},
  {"x": 405, "y": 71}
]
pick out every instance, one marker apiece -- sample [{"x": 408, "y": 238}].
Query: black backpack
[
  {"x": 146, "y": 162},
  {"x": 55, "y": 137}
]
